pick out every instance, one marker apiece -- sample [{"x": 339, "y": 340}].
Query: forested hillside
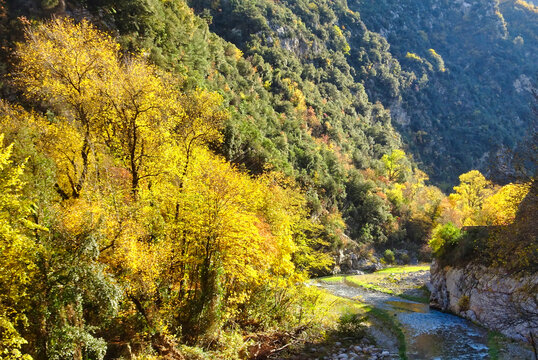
[
  {"x": 172, "y": 172},
  {"x": 311, "y": 121},
  {"x": 458, "y": 85},
  {"x": 309, "y": 86},
  {"x": 475, "y": 66}
]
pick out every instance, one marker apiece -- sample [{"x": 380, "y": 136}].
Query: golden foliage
[
  {"x": 16, "y": 263},
  {"x": 469, "y": 196},
  {"x": 187, "y": 236},
  {"x": 528, "y": 6},
  {"x": 501, "y": 207}
]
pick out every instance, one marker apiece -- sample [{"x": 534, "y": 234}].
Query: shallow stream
[{"x": 429, "y": 334}]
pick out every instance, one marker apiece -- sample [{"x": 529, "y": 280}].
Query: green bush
[
  {"x": 389, "y": 256},
  {"x": 443, "y": 235},
  {"x": 471, "y": 245},
  {"x": 49, "y": 4},
  {"x": 351, "y": 325}
]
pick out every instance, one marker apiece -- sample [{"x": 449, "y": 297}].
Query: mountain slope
[
  {"x": 477, "y": 101},
  {"x": 456, "y": 76}
]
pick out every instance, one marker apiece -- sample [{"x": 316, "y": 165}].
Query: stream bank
[
  {"x": 428, "y": 334},
  {"x": 503, "y": 302}
]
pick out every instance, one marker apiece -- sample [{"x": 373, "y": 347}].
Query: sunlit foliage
[
  {"x": 501, "y": 207},
  {"x": 469, "y": 196},
  {"x": 138, "y": 220},
  {"x": 16, "y": 261}
]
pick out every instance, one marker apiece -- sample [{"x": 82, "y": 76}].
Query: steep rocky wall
[{"x": 490, "y": 297}]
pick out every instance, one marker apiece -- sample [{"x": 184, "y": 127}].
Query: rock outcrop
[
  {"x": 349, "y": 262},
  {"x": 354, "y": 261},
  {"x": 490, "y": 297}
]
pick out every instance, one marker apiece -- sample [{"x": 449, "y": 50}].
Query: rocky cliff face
[
  {"x": 490, "y": 297},
  {"x": 348, "y": 262}
]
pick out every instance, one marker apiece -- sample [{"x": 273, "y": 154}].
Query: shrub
[
  {"x": 444, "y": 235},
  {"x": 351, "y": 325},
  {"x": 463, "y": 303},
  {"x": 389, "y": 256},
  {"x": 49, "y": 4}
]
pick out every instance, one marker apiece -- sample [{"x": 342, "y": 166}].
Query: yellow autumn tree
[
  {"x": 198, "y": 124},
  {"x": 139, "y": 111},
  {"x": 99, "y": 98},
  {"x": 501, "y": 207},
  {"x": 469, "y": 196},
  {"x": 396, "y": 165},
  {"x": 300, "y": 241},
  {"x": 219, "y": 242},
  {"x": 196, "y": 255},
  {"x": 60, "y": 64},
  {"x": 16, "y": 263}
]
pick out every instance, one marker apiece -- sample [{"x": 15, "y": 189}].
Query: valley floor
[{"x": 385, "y": 315}]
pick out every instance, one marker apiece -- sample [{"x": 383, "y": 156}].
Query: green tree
[
  {"x": 442, "y": 236},
  {"x": 396, "y": 165},
  {"x": 72, "y": 294}
]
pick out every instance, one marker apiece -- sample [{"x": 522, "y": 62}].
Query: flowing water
[{"x": 429, "y": 334}]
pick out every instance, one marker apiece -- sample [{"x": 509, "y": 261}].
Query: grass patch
[
  {"x": 404, "y": 269},
  {"x": 419, "y": 299},
  {"x": 367, "y": 285},
  {"x": 333, "y": 279},
  {"x": 327, "y": 309},
  {"x": 341, "y": 306},
  {"x": 356, "y": 281},
  {"x": 494, "y": 345},
  {"x": 391, "y": 323}
]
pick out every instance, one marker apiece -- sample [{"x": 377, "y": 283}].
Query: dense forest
[
  {"x": 475, "y": 69},
  {"x": 172, "y": 172}
]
